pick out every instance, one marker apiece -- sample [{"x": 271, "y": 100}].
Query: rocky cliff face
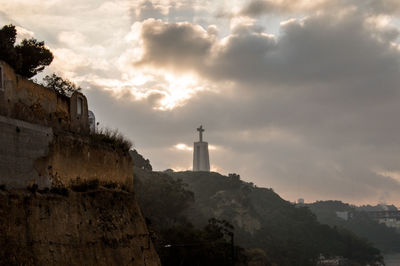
[{"x": 97, "y": 227}]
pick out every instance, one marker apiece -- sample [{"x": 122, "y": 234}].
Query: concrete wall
[
  {"x": 19, "y": 92},
  {"x": 31, "y": 153},
  {"x": 25, "y": 100},
  {"x": 22, "y": 144},
  {"x": 75, "y": 157}
]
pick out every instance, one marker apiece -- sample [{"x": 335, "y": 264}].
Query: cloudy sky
[{"x": 301, "y": 96}]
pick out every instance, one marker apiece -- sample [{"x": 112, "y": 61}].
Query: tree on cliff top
[
  {"x": 27, "y": 58},
  {"x": 8, "y": 53},
  {"x": 60, "y": 85}
]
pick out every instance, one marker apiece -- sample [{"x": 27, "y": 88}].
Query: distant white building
[{"x": 300, "y": 201}]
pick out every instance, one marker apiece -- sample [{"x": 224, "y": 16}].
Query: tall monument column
[{"x": 201, "y": 161}]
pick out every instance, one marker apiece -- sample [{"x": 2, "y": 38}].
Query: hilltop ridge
[{"x": 270, "y": 228}]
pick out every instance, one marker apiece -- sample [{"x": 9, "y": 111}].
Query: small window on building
[
  {"x": 1, "y": 79},
  {"x": 79, "y": 106}
]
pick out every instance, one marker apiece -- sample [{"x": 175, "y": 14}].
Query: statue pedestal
[{"x": 201, "y": 160}]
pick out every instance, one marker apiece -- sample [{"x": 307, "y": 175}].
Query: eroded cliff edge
[{"x": 101, "y": 226}]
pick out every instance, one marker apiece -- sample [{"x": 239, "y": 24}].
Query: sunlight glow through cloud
[
  {"x": 183, "y": 147},
  {"x": 180, "y": 89},
  {"x": 174, "y": 89}
]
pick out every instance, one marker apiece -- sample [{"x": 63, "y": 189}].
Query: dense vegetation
[
  {"x": 164, "y": 201},
  {"x": 288, "y": 234},
  {"x": 27, "y": 58},
  {"x": 112, "y": 137},
  {"x": 273, "y": 231},
  {"x": 383, "y": 237}
]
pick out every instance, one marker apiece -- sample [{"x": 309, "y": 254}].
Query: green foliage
[
  {"x": 27, "y": 58},
  {"x": 60, "y": 85}
]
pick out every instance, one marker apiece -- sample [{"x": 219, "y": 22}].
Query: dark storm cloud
[
  {"x": 259, "y": 7},
  {"x": 179, "y": 45},
  {"x": 318, "y": 49}
]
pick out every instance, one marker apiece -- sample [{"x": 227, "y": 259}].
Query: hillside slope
[
  {"x": 289, "y": 235},
  {"x": 385, "y": 238}
]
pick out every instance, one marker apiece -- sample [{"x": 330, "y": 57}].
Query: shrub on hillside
[{"x": 113, "y": 137}]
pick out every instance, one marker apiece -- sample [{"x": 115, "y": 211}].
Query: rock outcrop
[{"x": 96, "y": 227}]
